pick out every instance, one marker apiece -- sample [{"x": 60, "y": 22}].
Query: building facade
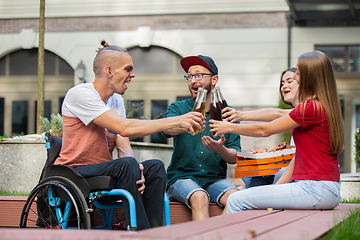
[{"x": 251, "y": 41}]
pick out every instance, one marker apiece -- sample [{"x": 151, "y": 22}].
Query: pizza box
[
  {"x": 276, "y": 165},
  {"x": 246, "y": 159},
  {"x": 282, "y": 152},
  {"x": 256, "y": 173}
]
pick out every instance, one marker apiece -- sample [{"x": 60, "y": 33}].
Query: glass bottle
[
  {"x": 215, "y": 107},
  {"x": 222, "y": 100},
  {"x": 199, "y": 105}
]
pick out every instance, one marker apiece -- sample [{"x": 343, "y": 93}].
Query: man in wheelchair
[{"x": 90, "y": 109}]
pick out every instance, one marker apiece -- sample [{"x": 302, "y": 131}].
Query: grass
[
  {"x": 349, "y": 228},
  {"x": 13, "y": 193},
  {"x": 351, "y": 200}
]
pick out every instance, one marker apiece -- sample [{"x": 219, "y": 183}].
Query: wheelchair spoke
[{"x": 55, "y": 204}]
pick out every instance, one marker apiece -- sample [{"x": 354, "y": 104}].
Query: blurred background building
[{"x": 252, "y": 42}]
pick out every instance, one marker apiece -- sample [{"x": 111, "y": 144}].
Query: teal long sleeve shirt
[{"x": 191, "y": 159}]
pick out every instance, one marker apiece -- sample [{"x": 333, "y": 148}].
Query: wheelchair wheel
[{"x": 55, "y": 202}]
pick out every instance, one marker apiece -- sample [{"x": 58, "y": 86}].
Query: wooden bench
[
  {"x": 256, "y": 224},
  {"x": 251, "y": 224}
]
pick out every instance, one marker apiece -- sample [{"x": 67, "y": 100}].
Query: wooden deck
[{"x": 252, "y": 224}]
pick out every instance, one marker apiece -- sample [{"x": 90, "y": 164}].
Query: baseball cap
[{"x": 201, "y": 60}]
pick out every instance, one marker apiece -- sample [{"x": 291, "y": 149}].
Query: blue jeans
[
  {"x": 263, "y": 180},
  {"x": 182, "y": 190},
  {"x": 149, "y": 205},
  {"x": 300, "y": 194}
]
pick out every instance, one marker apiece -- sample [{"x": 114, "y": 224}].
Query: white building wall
[
  {"x": 249, "y": 63},
  {"x": 85, "y": 8}
]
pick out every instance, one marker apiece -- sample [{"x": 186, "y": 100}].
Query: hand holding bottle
[
  {"x": 192, "y": 122},
  {"x": 231, "y": 115},
  {"x": 199, "y": 105}
]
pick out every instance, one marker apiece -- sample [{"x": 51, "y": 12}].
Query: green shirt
[{"x": 191, "y": 159}]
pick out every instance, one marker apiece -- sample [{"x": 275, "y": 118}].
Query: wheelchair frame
[{"x": 62, "y": 193}]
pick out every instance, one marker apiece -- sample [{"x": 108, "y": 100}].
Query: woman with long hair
[
  {"x": 289, "y": 94},
  {"x": 312, "y": 180}
]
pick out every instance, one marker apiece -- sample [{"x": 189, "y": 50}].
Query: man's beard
[{"x": 207, "y": 87}]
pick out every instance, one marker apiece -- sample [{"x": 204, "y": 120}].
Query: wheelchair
[{"x": 64, "y": 199}]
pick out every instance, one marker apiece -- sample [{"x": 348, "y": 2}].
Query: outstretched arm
[
  {"x": 139, "y": 128},
  {"x": 265, "y": 115},
  {"x": 279, "y": 125}
]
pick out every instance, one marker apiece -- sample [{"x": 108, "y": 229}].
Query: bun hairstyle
[
  {"x": 104, "y": 43},
  {"x": 107, "y": 46}
]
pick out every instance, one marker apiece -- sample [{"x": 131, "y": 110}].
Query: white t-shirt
[
  {"x": 84, "y": 102},
  {"x": 84, "y": 142}
]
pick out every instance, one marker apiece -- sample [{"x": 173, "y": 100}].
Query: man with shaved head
[{"x": 93, "y": 110}]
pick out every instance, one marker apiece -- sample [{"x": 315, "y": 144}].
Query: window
[
  {"x": 354, "y": 59},
  {"x": 2, "y": 66},
  {"x": 25, "y": 62},
  {"x": 158, "y": 110},
  {"x": 355, "y": 125},
  {"x": 135, "y": 109},
  {"x": 345, "y": 59},
  {"x": 2, "y": 111},
  {"x": 61, "y": 100},
  {"x": 342, "y": 107},
  {"x": 20, "y": 117},
  {"x": 65, "y": 68}
]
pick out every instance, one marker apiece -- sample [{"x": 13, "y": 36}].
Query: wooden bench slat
[
  {"x": 265, "y": 225},
  {"x": 243, "y": 230},
  {"x": 311, "y": 227},
  {"x": 189, "y": 229}
]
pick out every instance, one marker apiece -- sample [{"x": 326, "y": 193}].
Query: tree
[{"x": 40, "y": 96}]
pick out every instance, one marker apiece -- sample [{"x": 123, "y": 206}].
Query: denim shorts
[{"x": 182, "y": 190}]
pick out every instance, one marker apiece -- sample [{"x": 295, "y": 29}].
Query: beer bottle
[
  {"x": 221, "y": 98},
  {"x": 215, "y": 107},
  {"x": 199, "y": 105}
]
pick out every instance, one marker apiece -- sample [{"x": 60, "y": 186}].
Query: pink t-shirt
[
  {"x": 83, "y": 141},
  {"x": 313, "y": 159},
  {"x": 81, "y": 144}
]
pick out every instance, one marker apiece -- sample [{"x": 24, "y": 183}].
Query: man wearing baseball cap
[{"x": 197, "y": 172}]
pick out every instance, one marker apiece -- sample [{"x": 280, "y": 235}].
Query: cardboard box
[{"x": 260, "y": 164}]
